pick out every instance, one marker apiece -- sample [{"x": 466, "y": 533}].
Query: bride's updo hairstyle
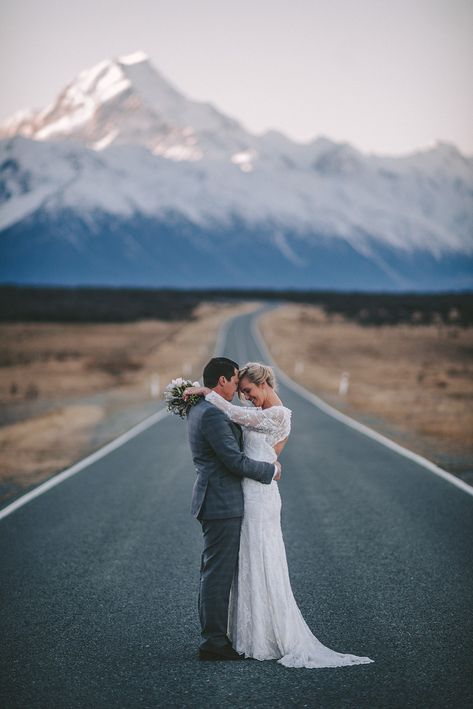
[{"x": 258, "y": 373}]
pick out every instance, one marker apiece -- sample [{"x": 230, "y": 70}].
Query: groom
[{"x": 217, "y": 502}]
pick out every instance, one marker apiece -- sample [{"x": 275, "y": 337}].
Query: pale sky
[{"x": 387, "y": 76}]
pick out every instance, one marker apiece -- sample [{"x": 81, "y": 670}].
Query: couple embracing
[{"x": 246, "y": 605}]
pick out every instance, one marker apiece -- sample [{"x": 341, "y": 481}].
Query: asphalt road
[{"x": 99, "y": 578}]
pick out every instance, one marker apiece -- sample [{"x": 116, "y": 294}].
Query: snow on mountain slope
[
  {"x": 126, "y": 101},
  {"x": 121, "y": 142},
  {"x": 399, "y": 205}
]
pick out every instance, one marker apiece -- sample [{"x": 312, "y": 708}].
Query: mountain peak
[
  {"x": 106, "y": 85},
  {"x": 126, "y": 101},
  {"x": 134, "y": 58}
]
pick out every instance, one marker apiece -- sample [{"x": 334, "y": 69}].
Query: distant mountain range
[{"x": 125, "y": 181}]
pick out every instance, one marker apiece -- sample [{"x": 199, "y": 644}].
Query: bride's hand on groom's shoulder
[{"x": 196, "y": 391}]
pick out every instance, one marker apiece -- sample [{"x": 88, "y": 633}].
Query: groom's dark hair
[{"x": 216, "y": 368}]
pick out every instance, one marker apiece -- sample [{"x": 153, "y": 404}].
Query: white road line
[
  {"x": 84, "y": 463},
  {"x": 109, "y": 447},
  {"x": 159, "y": 415},
  {"x": 331, "y": 411}
]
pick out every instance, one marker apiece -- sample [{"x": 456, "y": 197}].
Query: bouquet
[{"x": 175, "y": 402}]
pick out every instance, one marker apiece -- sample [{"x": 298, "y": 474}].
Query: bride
[{"x": 265, "y": 622}]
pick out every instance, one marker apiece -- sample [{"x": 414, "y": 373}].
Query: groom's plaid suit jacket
[{"x": 216, "y": 445}]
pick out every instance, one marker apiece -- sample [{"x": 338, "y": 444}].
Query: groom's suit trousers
[
  {"x": 217, "y": 502},
  {"x": 218, "y": 566}
]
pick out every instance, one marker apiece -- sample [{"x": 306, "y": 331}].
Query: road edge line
[
  {"x": 348, "y": 421},
  {"x": 108, "y": 447},
  {"x": 84, "y": 463}
]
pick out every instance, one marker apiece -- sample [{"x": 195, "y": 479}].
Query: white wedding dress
[{"x": 265, "y": 622}]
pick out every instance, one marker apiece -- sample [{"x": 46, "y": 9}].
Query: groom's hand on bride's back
[{"x": 277, "y": 474}]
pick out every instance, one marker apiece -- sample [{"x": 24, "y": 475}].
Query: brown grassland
[
  {"x": 413, "y": 383},
  {"x": 67, "y": 389}
]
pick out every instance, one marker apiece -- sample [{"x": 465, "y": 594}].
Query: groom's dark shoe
[{"x": 224, "y": 653}]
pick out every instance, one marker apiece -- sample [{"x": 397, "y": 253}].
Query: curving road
[{"x": 99, "y": 577}]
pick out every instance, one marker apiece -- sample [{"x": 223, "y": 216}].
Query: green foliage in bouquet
[{"x": 175, "y": 402}]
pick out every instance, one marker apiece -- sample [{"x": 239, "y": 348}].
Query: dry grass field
[
  {"x": 412, "y": 383},
  {"x": 67, "y": 389}
]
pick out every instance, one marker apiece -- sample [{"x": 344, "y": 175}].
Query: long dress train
[{"x": 265, "y": 622}]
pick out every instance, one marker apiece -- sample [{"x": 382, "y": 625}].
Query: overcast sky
[{"x": 388, "y": 76}]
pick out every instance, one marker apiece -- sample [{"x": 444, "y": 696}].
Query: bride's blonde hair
[{"x": 258, "y": 373}]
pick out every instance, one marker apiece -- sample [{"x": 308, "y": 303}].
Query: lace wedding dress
[{"x": 265, "y": 622}]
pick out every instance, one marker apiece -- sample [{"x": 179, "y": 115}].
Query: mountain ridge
[
  {"x": 121, "y": 144},
  {"x": 122, "y": 77}
]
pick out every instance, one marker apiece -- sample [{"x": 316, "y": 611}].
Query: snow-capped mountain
[
  {"x": 123, "y": 172},
  {"x": 127, "y": 102}
]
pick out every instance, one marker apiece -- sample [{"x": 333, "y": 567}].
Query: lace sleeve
[{"x": 274, "y": 421}]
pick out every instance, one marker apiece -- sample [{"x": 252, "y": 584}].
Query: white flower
[
  {"x": 196, "y": 384},
  {"x": 175, "y": 402}
]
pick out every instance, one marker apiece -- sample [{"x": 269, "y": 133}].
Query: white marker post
[
  {"x": 154, "y": 387},
  {"x": 344, "y": 384}
]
